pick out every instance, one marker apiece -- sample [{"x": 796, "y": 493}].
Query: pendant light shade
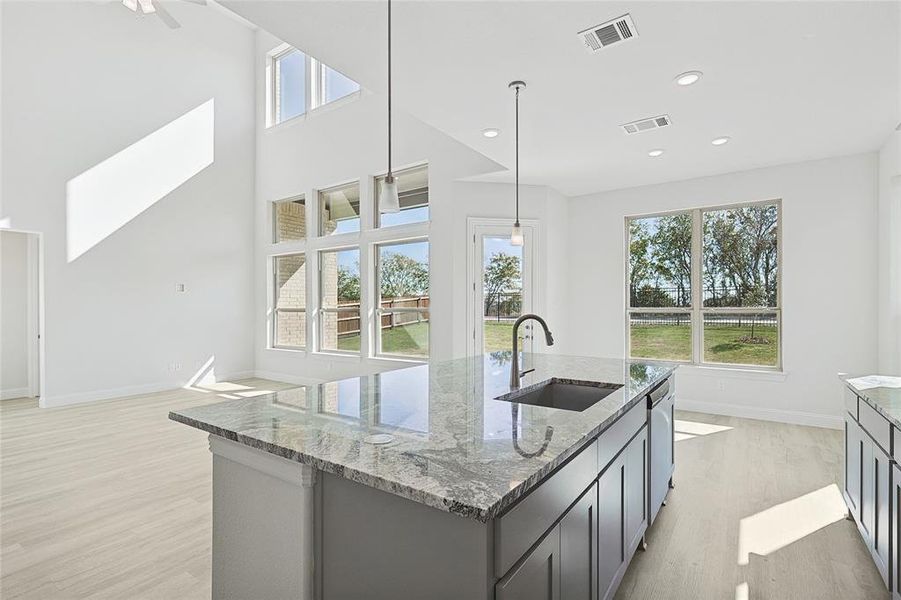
[
  {"x": 389, "y": 202},
  {"x": 516, "y": 238},
  {"x": 388, "y": 199}
]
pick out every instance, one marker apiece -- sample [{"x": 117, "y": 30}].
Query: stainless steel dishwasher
[{"x": 661, "y": 407}]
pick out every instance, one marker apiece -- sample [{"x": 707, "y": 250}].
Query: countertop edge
[
  {"x": 481, "y": 514},
  {"x": 863, "y": 395}
]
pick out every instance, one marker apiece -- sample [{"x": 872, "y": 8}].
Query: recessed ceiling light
[
  {"x": 491, "y": 132},
  {"x": 655, "y": 153},
  {"x": 688, "y": 78},
  {"x": 720, "y": 140}
]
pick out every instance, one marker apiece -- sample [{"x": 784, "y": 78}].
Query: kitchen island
[
  {"x": 872, "y": 488},
  {"x": 429, "y": 482}
]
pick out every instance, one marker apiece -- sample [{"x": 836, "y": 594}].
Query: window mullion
[{"x": 696, "y": 292}]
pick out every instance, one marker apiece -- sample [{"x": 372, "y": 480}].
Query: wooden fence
[{"x": 350, "y": 324}]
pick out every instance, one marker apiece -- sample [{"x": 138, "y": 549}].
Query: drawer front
[
  {"x": 875, "y": 424},
  {"x": 616, "y": 437},
  {"x": 851, "y": 402},
  {"x": 526, "y": 522}
]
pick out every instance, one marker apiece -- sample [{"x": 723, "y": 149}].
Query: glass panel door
[{"x": 502, "y": 291}]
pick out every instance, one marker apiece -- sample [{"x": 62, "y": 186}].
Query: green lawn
[
  {"x": 410, "y": 340},
  {"x": 498, "y": 335},
  {"x": 722, "y": 343}
]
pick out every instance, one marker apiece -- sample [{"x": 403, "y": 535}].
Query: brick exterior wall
[{"x": 291, "y": 327}]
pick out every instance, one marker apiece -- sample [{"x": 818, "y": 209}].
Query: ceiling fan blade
[{"x": 165, "y": 17}]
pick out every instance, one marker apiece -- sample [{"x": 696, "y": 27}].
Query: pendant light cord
[
  {"x": 390, "y": 176},
  {"x": 516, "y": 138}
]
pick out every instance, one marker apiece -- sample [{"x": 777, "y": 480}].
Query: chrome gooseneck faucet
[{"x": 515, "y": 375}]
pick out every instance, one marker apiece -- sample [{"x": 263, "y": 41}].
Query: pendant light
[
  {"x": 388, "y": 199},
  {"x": 516, "y": 238}
]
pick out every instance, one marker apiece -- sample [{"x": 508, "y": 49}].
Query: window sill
[
  {"x": 286, "y": 349},
  {"x": 735, "y": 372},
  {"x": 313, "y": 112},
  {"x": 400, "y": 359}
]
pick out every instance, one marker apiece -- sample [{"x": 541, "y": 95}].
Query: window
[
  {"x": 297, "y": 83},
  {"x": 290, "y": 80},
  {"x": 403, "y": 290},
  {"x": 339, "y": 210},
  {"x": 289, "y": 323},
  {"x": 703, "y": 286},
  {"x": 339, "y": 300},
  {"x": 369, "y": 285},
  {"x": 413, "y": 193},
  {"x": 289, "y": 220},
  {"x": 335, "y": 85}
]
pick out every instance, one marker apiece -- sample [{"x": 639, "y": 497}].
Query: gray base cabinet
[
  {"x": 611, "y": 542},
  {"x": 895, "y": 526},
  {"x": 869, "y": 484},
  {"x": 578, "y": 548},
  {"x": 538, "y": 576}
]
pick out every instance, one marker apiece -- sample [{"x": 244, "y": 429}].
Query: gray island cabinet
[
  {"x": 872, "y": 488},
  {"x": 422, "y": 483}
]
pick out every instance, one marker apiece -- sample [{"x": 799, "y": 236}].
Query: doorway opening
[{"x": 20, "y": 322}]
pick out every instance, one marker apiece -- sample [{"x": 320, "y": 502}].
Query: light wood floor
[
  {"x": 107, "y": 500},
  {"x": 725, "y": 477},
  {"x": 112, "y": 500}
]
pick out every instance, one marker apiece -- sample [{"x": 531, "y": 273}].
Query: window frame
[
  {"x": 273, "y": 322},
  {"x": 379, "y": 311},
  {"x": 314, "y": 86},
  {"x": 697, "y": 310},
  {"x": 322, "y": 310}
]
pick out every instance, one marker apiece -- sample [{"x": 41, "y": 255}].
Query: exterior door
[{"x": 502, "y": 286}]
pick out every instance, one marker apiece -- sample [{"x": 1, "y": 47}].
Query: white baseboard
[
  {"x": 792, "y": 417},
  {"x": 130, "y": 390},
  {"x": 10, "y": 393},
  {"x": 287, "y": 378}
]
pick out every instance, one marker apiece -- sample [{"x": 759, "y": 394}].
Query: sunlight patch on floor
[
  {"x": 741, "y": 591},
  {"x": 788, "y": 522},
  {"x": 685, "y": 430}
]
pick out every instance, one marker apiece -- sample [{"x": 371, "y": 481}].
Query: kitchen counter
[
  {"x": 448, "y": 443},
  {"x": 883, "y": 398}
]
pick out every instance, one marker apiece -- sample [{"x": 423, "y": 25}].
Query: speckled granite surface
[
  {"x": 453, "y": 446},
  {"x": 886, "y": 400}
]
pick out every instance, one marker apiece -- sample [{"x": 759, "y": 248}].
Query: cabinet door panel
[
  {"x": 852, "y": 465},
  {"x": 882, "y": 492},
  {"x": 538, "y": 576},
  {"x": 578, "y": 549},
  {"x": 636, "y": 459},
  {"x": 896, "y": 529},
  {"x": 611, "y": 504},
  {"x": 867, "y": 488}
]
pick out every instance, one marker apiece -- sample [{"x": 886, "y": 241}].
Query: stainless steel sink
[{"x": 565, "y": 395}]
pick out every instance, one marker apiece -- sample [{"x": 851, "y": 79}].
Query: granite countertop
[
  {"x": 452, "y": 445},
  {"x": 881, "y": 392}
]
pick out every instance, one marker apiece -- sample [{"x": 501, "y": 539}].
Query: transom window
[
  {"x": 413, "y": 194},
  {"x": 703, "y": 286},
  {"x": 298, "y": 83}
]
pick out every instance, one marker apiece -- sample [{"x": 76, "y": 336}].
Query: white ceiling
[{"x": 788, "y": 81}]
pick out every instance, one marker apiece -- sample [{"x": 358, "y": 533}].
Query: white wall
[
  {"x": 13, "y": 314},
  {"x": 84, "y": 82},
  {"x": 829, "y": 282},
  {"x": 890, "y": 255}
]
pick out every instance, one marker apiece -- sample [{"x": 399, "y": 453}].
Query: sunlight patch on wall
[
  {"x": 786, "y": 523},
  {"x": 107, "y": 196}
]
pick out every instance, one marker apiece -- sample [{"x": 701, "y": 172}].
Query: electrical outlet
[{"x": 180, "y": 287}]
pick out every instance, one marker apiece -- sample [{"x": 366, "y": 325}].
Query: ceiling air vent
[
  {"x": 620, "y": 29},
  {"x": 647, "y": 124}
]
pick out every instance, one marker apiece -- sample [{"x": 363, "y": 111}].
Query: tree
[
  {"x": 348, "y": 284},
  {"x": 403, "y": 276},
  {"x": 671, "y": 254},
  {"x": 502, "y": 274}
]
